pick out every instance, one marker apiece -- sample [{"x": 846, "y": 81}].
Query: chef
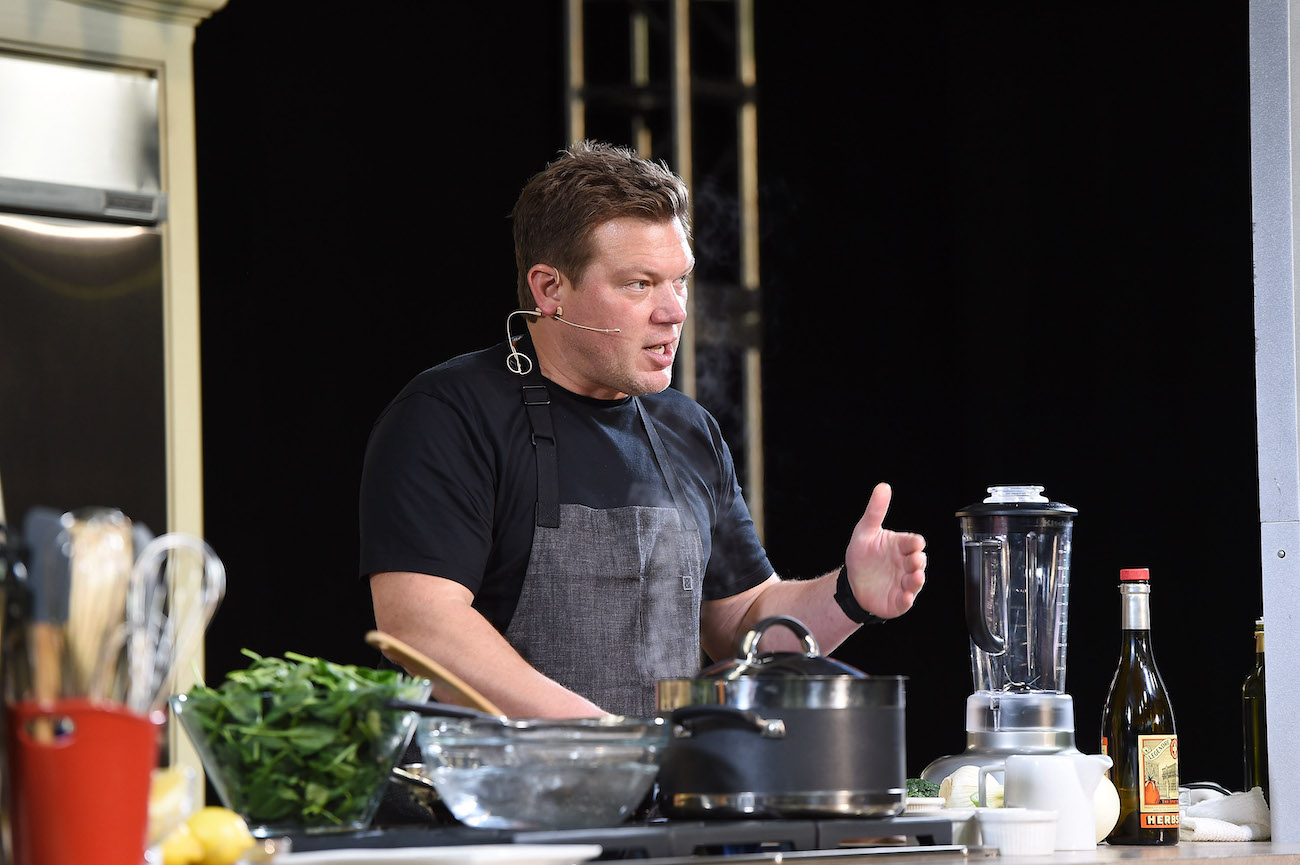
[{"x": 547, "y": 518}]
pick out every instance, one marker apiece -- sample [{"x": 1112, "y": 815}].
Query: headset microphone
[
  {"x": 520, "y": 363},
  {"x": 559, "y": 310}
]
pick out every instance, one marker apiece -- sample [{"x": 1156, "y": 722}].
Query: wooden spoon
[{"x": 421, "y": 663}]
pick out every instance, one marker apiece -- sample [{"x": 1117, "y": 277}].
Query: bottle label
[{"x": 1158, "y": 771}]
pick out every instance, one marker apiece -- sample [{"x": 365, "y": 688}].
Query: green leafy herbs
[
  {"x": 919, "y": 788},
  {"x": 299, "y": 741}
]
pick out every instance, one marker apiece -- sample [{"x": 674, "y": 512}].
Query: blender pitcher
[
  {"x": 1016, "y": 558},
  {"x": 1016, "y": 554}
]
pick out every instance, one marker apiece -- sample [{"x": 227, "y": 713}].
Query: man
[{"x": 553, "y": 523}]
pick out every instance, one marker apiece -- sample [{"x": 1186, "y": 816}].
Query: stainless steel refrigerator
[
  {"x": 82, "y": 222},
  {"x": 82, "y": 294}
]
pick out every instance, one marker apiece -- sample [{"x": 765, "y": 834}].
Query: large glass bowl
[
  {"x": 501, "y": 773},
  {"x": 313, "y": 763}
]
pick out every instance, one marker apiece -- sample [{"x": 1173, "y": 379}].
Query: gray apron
[{"x": 611, "y": 598}]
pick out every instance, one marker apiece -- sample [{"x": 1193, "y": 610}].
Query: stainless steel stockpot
[{"x": 783, "y": 734}]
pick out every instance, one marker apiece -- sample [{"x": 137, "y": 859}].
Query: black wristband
[{"x": 848, "y": 603}]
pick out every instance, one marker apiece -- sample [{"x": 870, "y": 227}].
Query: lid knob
[{"x": 1015, "y": 493}]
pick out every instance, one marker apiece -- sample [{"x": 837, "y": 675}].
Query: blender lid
[{"x": 1016, "y": 500}]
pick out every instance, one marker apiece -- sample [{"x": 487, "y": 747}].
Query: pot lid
[{"x": 750, "y": 662}]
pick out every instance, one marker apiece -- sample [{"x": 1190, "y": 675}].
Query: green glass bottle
[
  {"x": 1137, "y": 728},
  {"x": 1254, "y": 719}
]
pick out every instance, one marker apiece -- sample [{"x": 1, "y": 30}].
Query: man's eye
[{"x": 639, "y": 285}]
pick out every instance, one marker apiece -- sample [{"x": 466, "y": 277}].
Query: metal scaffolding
[{"x": 701, "y": 118}]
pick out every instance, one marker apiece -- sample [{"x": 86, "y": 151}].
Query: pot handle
[
  {"x": 701, "y": 719},
  {"x": 749, "y": 643}
]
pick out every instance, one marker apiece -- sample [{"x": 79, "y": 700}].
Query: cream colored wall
[{"x": 156, "y": 35}]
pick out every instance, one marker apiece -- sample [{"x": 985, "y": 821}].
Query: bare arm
[
  {"x": 886, "y": 570},
  {"x": 435, "y": 615}
]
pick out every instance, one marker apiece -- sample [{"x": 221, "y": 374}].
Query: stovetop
[{"x": 668, "y": 838}]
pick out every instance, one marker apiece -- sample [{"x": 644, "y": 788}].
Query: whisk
[{"x": 176, "y": 585}]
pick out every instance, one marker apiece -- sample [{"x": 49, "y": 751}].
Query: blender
[{"x": 1016, "y": 557}]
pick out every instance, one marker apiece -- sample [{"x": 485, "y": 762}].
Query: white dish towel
[{"x": 1235, "y": 817}]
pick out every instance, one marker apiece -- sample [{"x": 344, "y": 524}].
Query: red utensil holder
[{"x": 80, "y": 773}]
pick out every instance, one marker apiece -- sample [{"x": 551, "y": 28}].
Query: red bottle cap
[{"x": 1127, "y": 574}]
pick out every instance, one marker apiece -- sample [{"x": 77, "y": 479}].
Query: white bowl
[
  {"x": 965, "y": 826},
  {"x": 1018, "y": 831},
  {"x": 920, "y": 804}
]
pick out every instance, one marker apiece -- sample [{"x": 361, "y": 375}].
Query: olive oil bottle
[
  {"x": 1254, "y": 719},
  {"x": 1137, "y": 727}
]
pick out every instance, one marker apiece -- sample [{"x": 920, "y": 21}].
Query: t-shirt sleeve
[
  {"x": 737, "y": 561},
  {"x": 426, "y": 495}
]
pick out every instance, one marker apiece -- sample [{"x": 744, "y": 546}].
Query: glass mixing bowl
[
  {"x": 504, "y": 773},
  {"x": 300, "y": 762}
]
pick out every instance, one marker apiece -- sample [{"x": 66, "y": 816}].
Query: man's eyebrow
[{"x": 644, "y": 271}]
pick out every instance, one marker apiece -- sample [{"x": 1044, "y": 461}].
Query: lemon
[
  {"x": 223, "y": 834},
  {"x": 172, "y": 798},
  {"x": 180, "y": 847}
]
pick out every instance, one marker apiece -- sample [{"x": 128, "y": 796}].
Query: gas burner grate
[{"x": 668, "y": 838}]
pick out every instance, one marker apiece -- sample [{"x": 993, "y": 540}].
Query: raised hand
[{"x": 886, "y": 568}]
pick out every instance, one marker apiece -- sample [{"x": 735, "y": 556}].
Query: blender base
[
  {"x": 976, "y": 755},
  {"x": 1001, "y": 724}
]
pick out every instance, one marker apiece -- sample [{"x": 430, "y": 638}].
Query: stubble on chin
[
  {"x": 622, "y": 376},
  {"x": 660, "y": 383},
  {"x": 645, "y": 386}
]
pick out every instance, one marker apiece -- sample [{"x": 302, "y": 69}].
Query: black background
[{"x": 1004, "y": 243}]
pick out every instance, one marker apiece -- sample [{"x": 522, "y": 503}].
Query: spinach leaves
[{"x": 301, "y": 742}]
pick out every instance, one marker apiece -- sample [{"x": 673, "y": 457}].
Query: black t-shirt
[{"x": 449, "y": 485}]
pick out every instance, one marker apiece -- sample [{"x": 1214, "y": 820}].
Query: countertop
[
  {"x": 1219, "y": 853},
  {"x": 911, "y": 840}
]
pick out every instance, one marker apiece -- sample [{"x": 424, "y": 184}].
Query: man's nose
[{"x": 671, "y": 306}]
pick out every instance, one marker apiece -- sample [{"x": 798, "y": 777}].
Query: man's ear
[{"x": 544, "y": 281}]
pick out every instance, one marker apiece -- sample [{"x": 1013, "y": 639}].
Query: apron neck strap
[
  {"x": 537, "y": 403},
  {"x": 666, "y": 466}
]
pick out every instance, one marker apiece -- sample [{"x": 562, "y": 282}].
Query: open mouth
[{"x": 664, "y": 350}]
